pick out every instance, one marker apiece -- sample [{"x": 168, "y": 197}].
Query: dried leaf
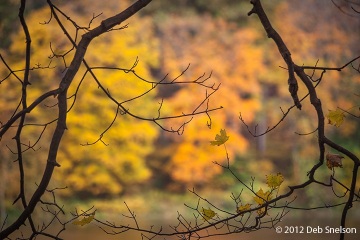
[
  {"x": 333, "y": 160},
  {"x": 220, "y": 139}
]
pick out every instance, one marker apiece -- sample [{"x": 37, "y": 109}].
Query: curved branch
[
  {"x": 284, "y": 51},
  {"x": 62, "y": 106}
]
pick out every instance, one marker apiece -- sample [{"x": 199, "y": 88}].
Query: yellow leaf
[
  {"x": 243, "y": 208},
  {"x": 333, "y": 160},
  {"x": 274, "y": 181},
  {"x": 220, "y": 139},
  {"x": 208, "y": 214},
  {"x": 336, "y": 117},
  {"x": 262, "y": 196},
  {"x": 85, "y": 220}
]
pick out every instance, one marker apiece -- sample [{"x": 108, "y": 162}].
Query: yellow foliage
[
  {"x": 274, "y": 181},
  {"x": 207, "y": 214},
  {"x": 336, "y": 117},
  {"x": 229, "y": 54},
  {"x": 261, "y": 196},
  {"x": 85, "y": 220},
  {"x": 96, "y": 169},
  {"x": 243, "y": 208},
  {"x": 192, "y": 166},
  {"x": 238, "y": 59}
]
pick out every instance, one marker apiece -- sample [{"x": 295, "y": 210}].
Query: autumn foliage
[
  {"x": 237, "y": 58},
  {"x": 121, "y": 137}
]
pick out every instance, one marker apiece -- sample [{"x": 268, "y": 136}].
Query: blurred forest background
[{"x": 142, "y": 164}]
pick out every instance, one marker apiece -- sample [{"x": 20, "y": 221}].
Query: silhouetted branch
[
  {"x": 284, "y": 51},
  {"x": 62, "y": 98},
  {"x": 266, "y": 214},
  {"x": 332, "y": 68}
]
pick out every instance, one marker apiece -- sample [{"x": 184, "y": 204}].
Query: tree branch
[
  {"x": 62, "y": 106},
  {"x": 284, "y": 51}
]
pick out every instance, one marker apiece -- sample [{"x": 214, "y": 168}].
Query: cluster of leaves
[
  {"x": 261, "y": 197},
  {"x": 273, "y": 181}
]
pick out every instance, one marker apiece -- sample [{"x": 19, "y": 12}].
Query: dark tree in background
[{"x": 59, "y": 97}]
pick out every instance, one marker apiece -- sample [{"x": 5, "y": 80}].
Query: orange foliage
[{"x": 235, "y": 60}]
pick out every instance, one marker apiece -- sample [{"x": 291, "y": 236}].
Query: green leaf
[
  {"x": 336, "y": 117},
  {"x": 220, "y": 139}
]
